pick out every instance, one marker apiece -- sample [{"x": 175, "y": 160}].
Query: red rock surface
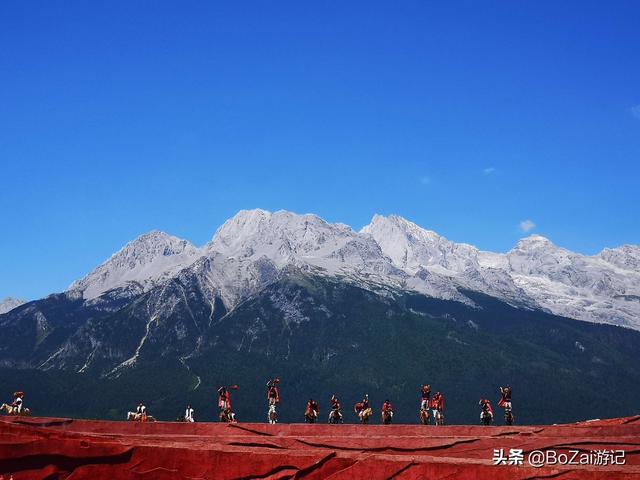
[{"x": 52, "y": 448}]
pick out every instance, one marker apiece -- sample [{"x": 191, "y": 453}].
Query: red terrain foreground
[{"x": 53, "y": 448}]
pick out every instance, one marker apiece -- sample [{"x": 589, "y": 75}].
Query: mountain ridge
[{"x": 390, "y": 250}]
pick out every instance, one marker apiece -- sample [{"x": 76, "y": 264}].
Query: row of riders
[{"x": 428, "y": 402}]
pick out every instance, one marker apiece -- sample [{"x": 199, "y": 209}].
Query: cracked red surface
[{"x": 51, "y": 448}]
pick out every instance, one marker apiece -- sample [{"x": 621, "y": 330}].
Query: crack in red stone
[{"x": 54, "y": 448}]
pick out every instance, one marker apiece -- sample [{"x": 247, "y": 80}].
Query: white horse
[
  {"x": 11, "y": 410},
  {"x": 137, "y": 417},
  {"x": 272, "y": 415}
]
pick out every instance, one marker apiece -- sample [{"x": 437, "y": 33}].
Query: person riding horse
[
  {"x": 312, "y": 411},
  {"x": 16, "y": 407},
  {"x": 273, "y": 399},
  {"x": 363, "y": 410},
  {"x": 224, "y": 404},
  {"x": 189, "y": 414},
  {"x": 335, "y": 416},
  {"x": 141, "y": 412},
  {"x": 505, "y": 402},
  {"x": 425, "y": 396},
  {"x": 505, "y": 397},
  {"x": 273, "y": 395},
  {"x": 387, "y": 412},
  {"x": 437, "y": 407},
  {"x": 486, "y": 414}
]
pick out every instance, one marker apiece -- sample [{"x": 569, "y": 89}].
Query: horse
[
  {"x": 424, "y": 416},
  {"x": 11, "y": 410},
  {"x": 438, "y": 417},
  {"x": 227, "y": 416},
  {"x": 363, "y": 413},
  {"x": 508, "y": 416},
  {"x": 335, "y": 416},
  {"x": 272, "y": 414},
  {"x": 310, "y": 416},
  {"x": 386, "y": 417},
  {"x": 486, "y": 418},
  {"x": 139, "y": 417}
]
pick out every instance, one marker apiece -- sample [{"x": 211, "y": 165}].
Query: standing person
[{"x": 188, "y": 414}]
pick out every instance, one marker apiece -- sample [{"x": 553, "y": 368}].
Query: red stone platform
[{"x": 58, "y": 448}]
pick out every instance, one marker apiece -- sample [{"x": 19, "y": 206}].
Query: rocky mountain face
[{"x": 374, "y": 311}]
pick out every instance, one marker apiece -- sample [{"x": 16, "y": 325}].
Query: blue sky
[{"x": 468, "y": 118}]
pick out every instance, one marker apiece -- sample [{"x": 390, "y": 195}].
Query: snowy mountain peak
[
  {"x": 411, "y": 247},
  {"x": 261, "y": 232},
  {"x": 379, "y": 222},
  {"x": 534, "y": 242},
  {"x": 9, "y": 304},
  {"x": 626, "y": 256},
  {"x": 150, "y": 257}
]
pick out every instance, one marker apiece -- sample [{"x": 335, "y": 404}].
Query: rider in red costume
[
  {"x": 312, "y": 410},
  {"x": 485, "y": 405},
  {"x": 335, "y": 409},
  {"x": 425, "y": 395},
  {"x": 505, "y": 397},
  {"x": 273, "y": 395},
  {"x": 387, "y": 408},
  {"x": 437, "y": 406},
  {"x": 224, "y": 402}
]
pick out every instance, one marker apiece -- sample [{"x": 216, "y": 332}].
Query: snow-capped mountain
[
  {"x": 602, "y": 288},
  {"x": 9, "y": 304},
  {"x": 391, "y": 253},
  {"x": 264, "y": 241},
  {"x": 145, "y": 261}
]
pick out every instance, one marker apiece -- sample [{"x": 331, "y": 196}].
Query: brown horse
[
  {"x": 227, "y": 416},
  {"x": 424, "y": 416},
  {"x": 363, "y": 413},
  {"x": 310, "y": 416},
  {"x": 386, "y": 417}
]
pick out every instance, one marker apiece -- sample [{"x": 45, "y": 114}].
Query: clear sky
[{"x": 474, "y": 119}]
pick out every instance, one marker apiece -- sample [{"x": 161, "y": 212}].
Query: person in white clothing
[{"x": 188, "y": 414}]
